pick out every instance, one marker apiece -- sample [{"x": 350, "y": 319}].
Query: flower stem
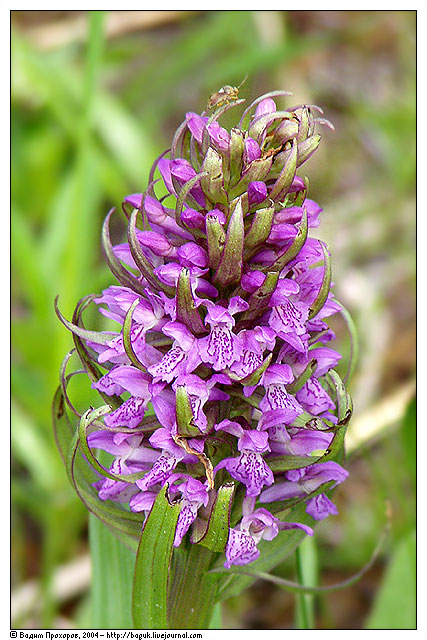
[
  {"x": 306, "y": 567},
  {"x": 216, "y": 621},
  {"x": 193, "y": 591}
]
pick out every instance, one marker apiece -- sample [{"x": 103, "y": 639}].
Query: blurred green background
[{"x": 95, "y": 98}]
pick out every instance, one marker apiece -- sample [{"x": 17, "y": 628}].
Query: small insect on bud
[{"x": 224, "y": 95}]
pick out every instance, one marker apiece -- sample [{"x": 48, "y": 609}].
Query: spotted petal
[{"x": 240, "y": 549}]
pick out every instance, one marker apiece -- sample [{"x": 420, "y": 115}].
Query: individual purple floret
[
  {"x": 216, "y": 362},
  {"x": 250, "y": 467},
  {"x": 304, "y": 481}
]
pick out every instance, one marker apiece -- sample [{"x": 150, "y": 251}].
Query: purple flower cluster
[{"x": 219, "y": 360}]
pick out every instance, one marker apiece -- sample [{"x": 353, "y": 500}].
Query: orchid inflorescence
[{"x": 217, "y": 380}]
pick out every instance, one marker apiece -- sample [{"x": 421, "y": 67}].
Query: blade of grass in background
[
  {"x": 39, "y": 289},
  {"x": 81, "y": 231}
]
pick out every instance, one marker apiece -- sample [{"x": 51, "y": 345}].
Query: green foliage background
[{"x": 90, "y": 112}]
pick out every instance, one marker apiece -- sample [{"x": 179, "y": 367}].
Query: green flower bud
[
  {"x": 237, "y": 147},
  {"x": 213, "y": 183},
  {"x": 230, "y": 268},
  {"x": 186, "y": 311},
  {"x": 215, "y": 235}
]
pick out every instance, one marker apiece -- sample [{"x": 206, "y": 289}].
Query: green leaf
[
  {"x": 307, "y": 148},
  {"x": 216, "y": 621},
  {"x": 303, "y": 419},
  {"x": 237, "y": 147},
  {"x": 256, "y": 171},
  {"x": 216, "y": 239},
  {"x": 286, "y": 463},
  {"x": 345, "y": 404},
  {"x": 257, "y": 127},
  {"x": 304, "y": 125},
  {"x": 193, "y": 590},
  {"x": 88, "y": 418},
  {"x": 64, "y": 380},
  {"x": 213, "y": 182},
  {"x": 216, "y": 535},
  {"x": 84, "y": 353},
  {"x": 254, "y": 377},
  {"x": 149, "y": 598},
  {"x": 395, "y": 605}
]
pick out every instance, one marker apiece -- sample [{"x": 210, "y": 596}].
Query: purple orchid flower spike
[
  {"x": 216, "y": 364},
  {"x": 166, "y": 461}
]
